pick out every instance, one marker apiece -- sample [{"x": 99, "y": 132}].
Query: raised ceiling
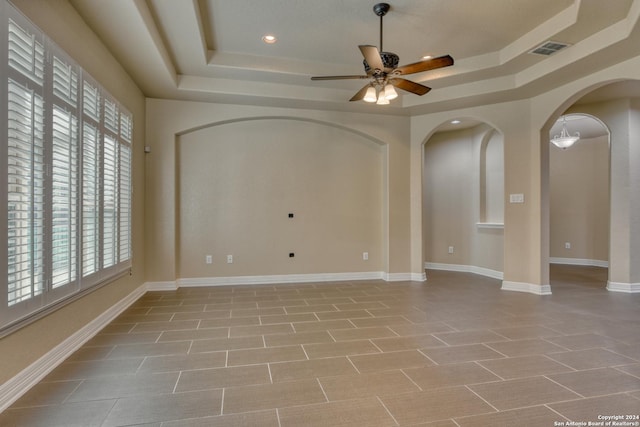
[{"x": 211, "y": 50}]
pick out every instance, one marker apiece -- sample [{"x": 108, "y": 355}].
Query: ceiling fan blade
[
  {"x": 409, "y": 86},
  {"x": 360, "y": 94},
  {"x": 372, "y": 55},
  {"x": 426, "y": 65},
  {"x": 338, "y": 77}
]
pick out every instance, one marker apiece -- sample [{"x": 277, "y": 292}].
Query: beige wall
[
  {"x": 239, "y": 181},
  {"x": 456, "y": 197},
  {"x": 634, "y": 182},
  {"x": 463, "y": 186},
  {"x": 525, "y": 128},
  {"x": 621, "y": 117},
  {"x": 448, "y": 204},
  {"x": 524, "y": 125},
  {"x": 522, "y": 230},
  {"x": 492, "y": 179},
  {"x": 579, "y": 189},
  {"x": 374, "y": 172},
  {"x": 60, "y": 21}
]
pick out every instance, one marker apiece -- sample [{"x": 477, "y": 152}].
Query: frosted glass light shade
[
  {"x": 390, "y": 92},
  {"x": 564, "y": 140},
  {"x": 370, "y": 96}
]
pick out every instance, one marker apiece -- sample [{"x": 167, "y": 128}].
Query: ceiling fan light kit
[
  {"x": 390, "y": 93},
  {"x": 382, "y": 70},
  {"x": 371, "y": 95}
]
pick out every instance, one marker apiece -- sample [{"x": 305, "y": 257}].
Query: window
[{"x": 67, "y": 163}]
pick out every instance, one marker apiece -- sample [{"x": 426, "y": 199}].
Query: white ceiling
[{"x": 211, "y": 50}]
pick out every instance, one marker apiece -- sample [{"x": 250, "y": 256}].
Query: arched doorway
[
  {"x": 463, "y": 198},
  {"x": 617, "y": 105},
  {"x": 579, "y": 192}
]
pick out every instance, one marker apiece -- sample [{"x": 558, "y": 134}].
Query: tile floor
[{"x": 454, "y": 351}]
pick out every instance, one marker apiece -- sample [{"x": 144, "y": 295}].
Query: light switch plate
[{"x": 516, "y": 198}]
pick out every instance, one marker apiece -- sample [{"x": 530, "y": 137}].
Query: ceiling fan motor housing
[{"x": 389, "y": 59}]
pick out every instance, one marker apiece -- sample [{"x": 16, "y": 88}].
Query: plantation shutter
[
  {"x": 91, "y": 184},
  {"x": 110, "y": 200},
  {"x": 124, "y": 210},
  {"x": 126, "y": 131},
  {"x": 26, "y": 53},
  {"x": 90, "y": 200},
  {"x": 64, "y": 173},
  {"x": 25, "y": 165},
  {"x": 66, "y": 169},
  {"x": 25, "y": 193}
]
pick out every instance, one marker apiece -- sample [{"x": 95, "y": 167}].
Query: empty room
[{"x": 279, "y": 213}]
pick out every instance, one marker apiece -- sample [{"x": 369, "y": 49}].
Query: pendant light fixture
[{"x": 565, "y": 140}]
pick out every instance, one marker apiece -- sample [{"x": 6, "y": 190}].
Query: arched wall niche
[
  {"x": 492, "y": 179},
  {"x": 300, "y": 119},
  {"x": 460, "y": 179},
  {"x": 173, "y": 120},
  {"x": 615, "y": 104},
  {"x": 238, "y": 181}
]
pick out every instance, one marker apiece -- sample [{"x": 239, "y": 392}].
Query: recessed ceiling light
[
  {"x": 270, "y": 39},
  {"x": 424, "y": 58},
  {"x": 455, "y": 122}
]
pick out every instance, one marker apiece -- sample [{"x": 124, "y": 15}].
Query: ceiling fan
[{"x": 384, "y": 73}]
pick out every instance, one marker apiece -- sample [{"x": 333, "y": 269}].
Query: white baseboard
[
  {"x": 161, "y": 286},
  {"x": 283, "y": 278},
  {"x": 17, "y": 386},
  {"x": 526, "y": 287},
  {"x": 405, "y": 277},
  {"x": 277, "y": 278},
  {"x": 579, "y": 261},
  {"x": 629, "y": 288},
  {"x": 464, "y": 269}
]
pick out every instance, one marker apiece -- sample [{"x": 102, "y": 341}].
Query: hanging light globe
[{"x": 565, "y": 140}]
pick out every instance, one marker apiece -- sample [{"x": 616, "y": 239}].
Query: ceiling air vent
[{"x": 549, "y": 48}]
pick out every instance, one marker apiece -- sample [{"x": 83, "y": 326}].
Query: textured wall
[{"x": 239, "y": 181}]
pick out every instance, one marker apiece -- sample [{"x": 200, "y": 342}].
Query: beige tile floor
[{"x": 454, "y": 351}]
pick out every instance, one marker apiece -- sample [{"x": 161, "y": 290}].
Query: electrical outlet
[
  {"x": 365, "y": 256},
  {"x": 450, "y": 249},
  {"x": 208, "y": 259},
  {"x": 567, "y": 245},
  {"x": 229, "y": 259}
]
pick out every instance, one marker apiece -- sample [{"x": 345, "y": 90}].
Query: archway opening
[
  {"x": 617, "y": 106},
  {"x": 463, "y": 198},
  {"x": 579, "y": 192}
]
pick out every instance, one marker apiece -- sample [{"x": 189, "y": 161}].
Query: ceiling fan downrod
[{"x": 381, "y": 9}]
